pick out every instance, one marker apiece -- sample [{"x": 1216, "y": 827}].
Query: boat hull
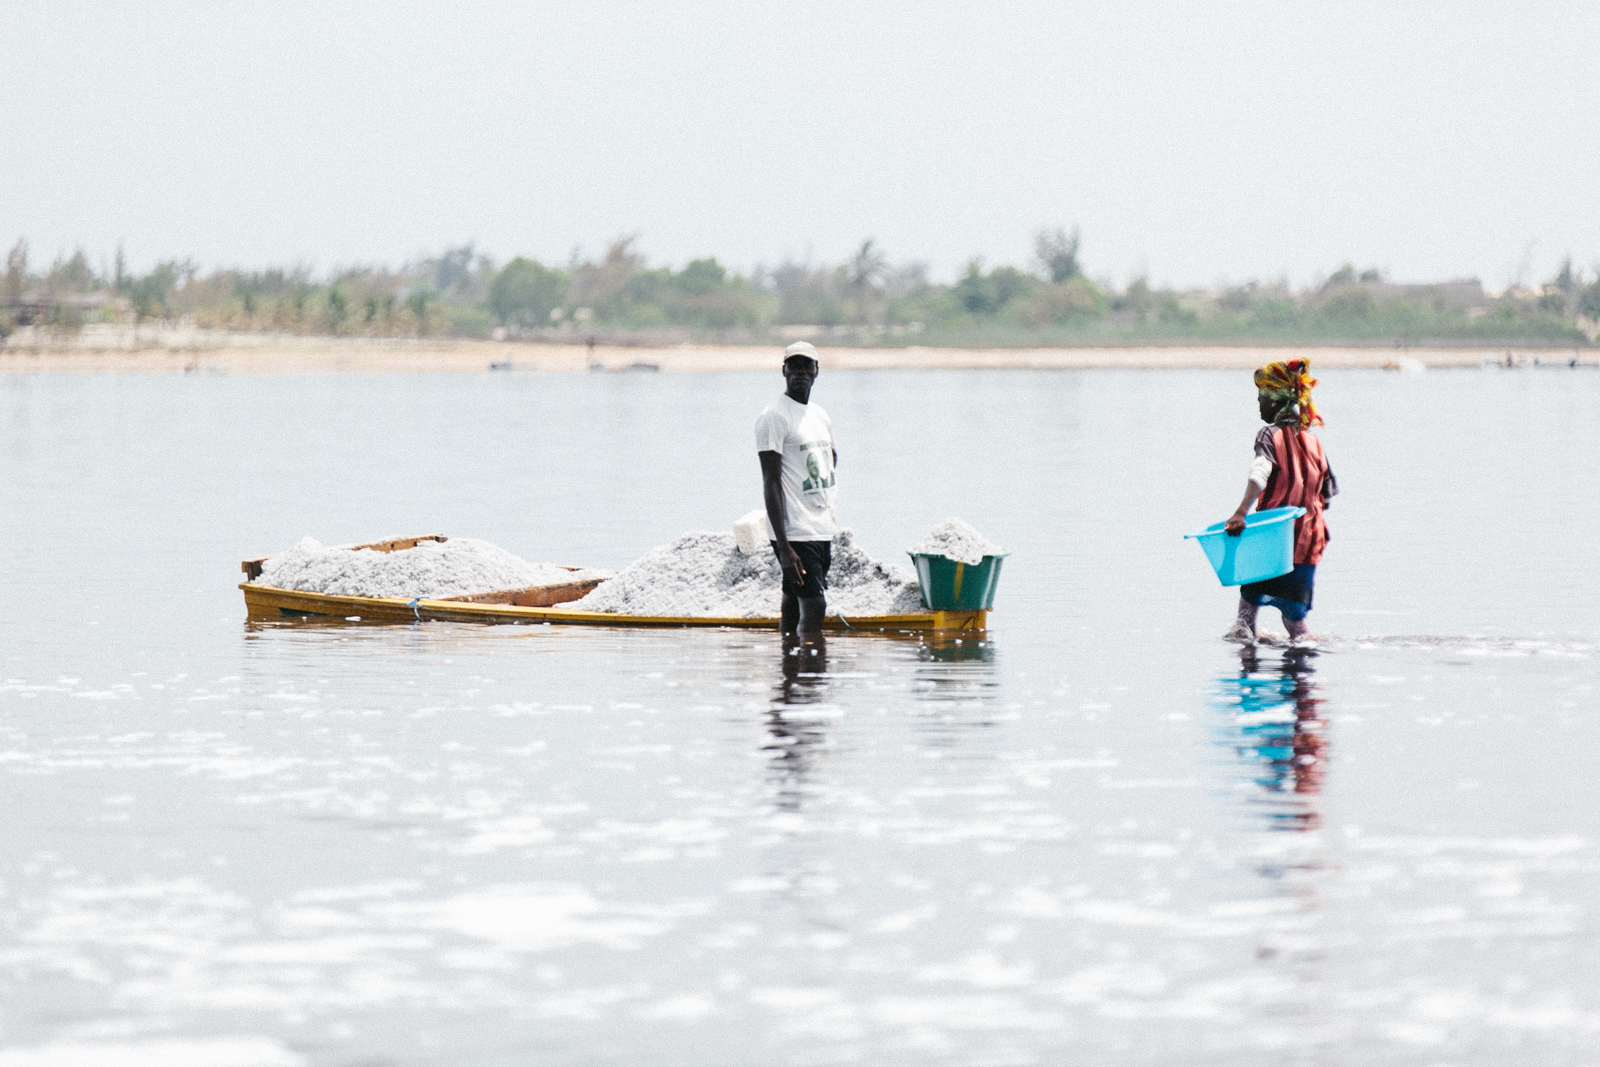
[{"x": 269, "y": 602}]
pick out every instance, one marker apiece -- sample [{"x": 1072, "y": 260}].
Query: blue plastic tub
[{"x": 1265, "y": 549}]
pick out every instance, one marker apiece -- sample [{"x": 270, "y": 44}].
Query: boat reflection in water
[
  {"x": 955, "y": 670},
  {"x": 1276, "y": 726}
]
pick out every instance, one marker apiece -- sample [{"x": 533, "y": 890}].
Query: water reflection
[
  {"x": 955, "y": 669},
  {"x": 797, "y": 721},
  {"x": 1276, "y": 724},
  {"x": 941, "y": 649}
]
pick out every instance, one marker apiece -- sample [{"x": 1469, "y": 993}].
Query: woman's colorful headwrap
[{"x": 1290, "y": 382}]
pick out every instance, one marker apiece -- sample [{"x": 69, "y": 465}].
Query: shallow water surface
[{"x": 1099, "y": 834}]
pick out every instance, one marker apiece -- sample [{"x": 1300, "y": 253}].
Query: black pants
[{"x": 816, "y": 557}]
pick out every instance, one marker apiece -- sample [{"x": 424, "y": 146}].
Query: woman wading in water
[{"x": 1289, "y": 470}]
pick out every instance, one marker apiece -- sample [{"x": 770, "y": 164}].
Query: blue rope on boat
[
  {"x": 844, "y": 620},
  {"x": 412, "y": 604}
]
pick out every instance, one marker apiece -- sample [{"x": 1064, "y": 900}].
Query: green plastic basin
[{"x": 951, "y": 586}]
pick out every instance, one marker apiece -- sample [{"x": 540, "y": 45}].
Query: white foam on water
[
  {"x": 1478, "y": 645},
  {"x": 213, "y": 1052},
  {"x": 982, "y": 969},
  {"x": 704, "y": 574},
  {"x": 684, "y": 1007},
  {"x": 531, "y": 918},
  {"x": 963, "y": 1013},
  {"x": 957, "y": 540},
  {"x": 461, "y": 566}
]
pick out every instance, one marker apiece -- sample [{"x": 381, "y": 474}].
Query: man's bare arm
[{"x": 777, "y": 525}]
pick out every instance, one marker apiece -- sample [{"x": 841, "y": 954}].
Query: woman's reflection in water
[
  {"x": 1276, "y": 728},
  {"x": 1279, "y": 715},
  {"x": 798, "y": 738}
]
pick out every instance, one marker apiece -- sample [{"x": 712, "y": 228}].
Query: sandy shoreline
[{"x": 315, "y": 355}]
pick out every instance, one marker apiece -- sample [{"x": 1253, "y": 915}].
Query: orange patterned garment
[{"x": 1297, "y": 482}]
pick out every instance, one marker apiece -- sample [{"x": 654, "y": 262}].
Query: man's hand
[
  {"x": 789, "y": 560},
  {"x": 1235, "y": 525}
]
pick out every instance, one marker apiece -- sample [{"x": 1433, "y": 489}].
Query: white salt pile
[
  {"x": 957, "y": 540},
  {"x": 460, "y": 566},
  {"x": 706, "y": 574}
]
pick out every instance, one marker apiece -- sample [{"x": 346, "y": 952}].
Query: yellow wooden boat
[{"x": 538, "y": 604}]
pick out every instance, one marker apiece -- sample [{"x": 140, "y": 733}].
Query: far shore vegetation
[{"x": 866, "y": 301}]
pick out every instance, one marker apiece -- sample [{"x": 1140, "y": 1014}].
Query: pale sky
[{"x": 1200, "y": 142}]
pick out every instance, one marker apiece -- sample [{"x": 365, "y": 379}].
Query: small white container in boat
[{"x": 750, "y": 533}]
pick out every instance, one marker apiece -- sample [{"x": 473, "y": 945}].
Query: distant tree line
[{"x": 864, "y": 300}]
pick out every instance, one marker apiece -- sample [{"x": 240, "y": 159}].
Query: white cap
[{"x": 801, "y": 348}]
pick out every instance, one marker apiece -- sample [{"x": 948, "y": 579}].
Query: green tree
[
  {"x": 1566, "y": 278},
  {"x": 864, "y": 274},
  {"x": 1057, "y": 254},
  {"x": 72, "y": 276},
  {"x": 1136, "y": 298},
  {"x": 524, "y": 292},
  {"x": 985, "y": 294},
  {"x": 1074, "y": 300},
  {"x": 1009, "y": 283},
  {"x": 454, "y": 269},
  {"x": 1343, "y": 276},
  {"x": 151, "y": 292},
  {"x": 1173, "y": 313},
  {"x": 338, "y": 307},
  {"x": 701, "y": 276},
  {"x": 16, "y": 277},
  {"x": 808, "y": 296},
  {"x": 1350, "y": 303},
  {"x": 1276, "y": 313},
  {"x": 1589, "y": 300},
  {"x": 420, "y": 304},
  {"x": 975, "y": 292}
]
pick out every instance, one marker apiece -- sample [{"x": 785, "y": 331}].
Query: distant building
[
  {"x": 39, "y": 309},
  {"x": 1459, "y": 295}
]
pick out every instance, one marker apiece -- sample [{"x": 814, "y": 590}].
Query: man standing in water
[{"x": 794, "y": 440}]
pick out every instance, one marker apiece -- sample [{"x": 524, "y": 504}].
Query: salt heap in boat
[
  {"x": 460, "y": 566},
  {"x": 705, "y": 574}
]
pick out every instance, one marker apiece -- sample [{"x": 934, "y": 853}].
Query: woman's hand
[{"x": 1235, "y": 524}]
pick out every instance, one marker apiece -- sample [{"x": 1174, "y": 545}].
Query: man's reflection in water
[
  {"x": 1279, "y": 722},
  {"x": 954, "y": 685},
  {"x": 797, "y": 738}
]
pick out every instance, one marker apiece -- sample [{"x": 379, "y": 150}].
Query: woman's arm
[
  {"x": 1260, "y": 473},
  {"x": 1235, "y": 524}
]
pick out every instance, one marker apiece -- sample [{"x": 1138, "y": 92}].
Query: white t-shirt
[{"x": 803, "y": 435}]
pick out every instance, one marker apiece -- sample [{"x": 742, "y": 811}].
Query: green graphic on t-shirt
[{"x": 817, "y": 480}]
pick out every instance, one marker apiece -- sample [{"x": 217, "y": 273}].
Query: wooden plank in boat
[
  {"x": 252, "y": 567},
  {"x": 534, "y": 596}
]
